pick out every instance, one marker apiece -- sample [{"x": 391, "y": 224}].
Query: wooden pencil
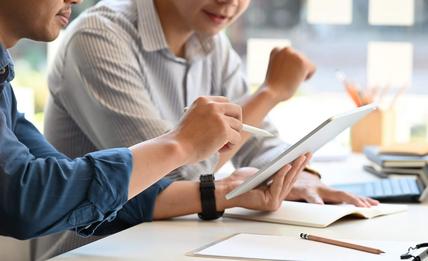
[{"x": 341, "y": 244}]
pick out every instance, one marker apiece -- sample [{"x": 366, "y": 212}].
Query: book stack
[{"x": 405, "y": 159}]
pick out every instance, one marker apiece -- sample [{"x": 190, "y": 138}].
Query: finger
[
  {"x": 298, "y": 160},
  {"x": 313, "y": 198},
  {"x": 291, "y": 177},
  {"x": 298, "y": 163},
  {"x": 234, "y": 123},
  {"x": 288, "y": 185},
  {"x": 233, "y": 136},
  {"x": 221, "y": 99},
  {"x": 311, "y": 71},
  {"x": 316, "y": 197},
  {"x": 366, "y": 201},
  {"x": 277, "y": 183},
  {"x": 308, "y": 157},
  {"x": 204, "y": 100},
  {"x": 351, "y": 199},
  {"x": 369, "y": 202},
  {"x": 228, "y": 146},
  {"x": 286, "y": 169},
  {"x": 373, "y": 202},
  {"x": 274, "y": 51},
  {"x": 299, "y": 169},
  {"x": 338, "y": 196},
  {"x": 232, "y": 110}
]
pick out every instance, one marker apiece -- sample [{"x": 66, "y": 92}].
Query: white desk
[{"x": 170, "y": 240}]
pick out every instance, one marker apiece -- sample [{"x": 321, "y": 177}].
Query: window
[{"x": 388, "y": 51}]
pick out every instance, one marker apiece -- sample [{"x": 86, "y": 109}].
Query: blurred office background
[{"x": 376, "y": 43}]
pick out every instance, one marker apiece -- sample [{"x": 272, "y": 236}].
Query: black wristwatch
[{"x": 207, "y": 192}]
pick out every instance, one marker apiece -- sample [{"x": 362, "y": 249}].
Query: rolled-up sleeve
[
  {"x": 47, "y": 193},
  {"x": 137, "y": 210}
]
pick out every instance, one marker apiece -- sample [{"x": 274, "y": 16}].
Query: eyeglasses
[{"x": 419, "y": 257}]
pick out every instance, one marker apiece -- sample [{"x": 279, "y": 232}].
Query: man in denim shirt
[{"x": 42, "y": 191}]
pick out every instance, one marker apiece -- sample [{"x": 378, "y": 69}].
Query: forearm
[
  {"x": 254, "y": 110},
  {"x": 153, "y": 159},
  {"x": 180, "y": 198},
  {"x": 183, "y": 198}
]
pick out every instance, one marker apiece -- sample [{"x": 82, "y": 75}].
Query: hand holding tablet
[{"x": 314, "y": 140}]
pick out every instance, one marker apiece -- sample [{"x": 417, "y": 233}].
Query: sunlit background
[{"x": 378, "y": 44}]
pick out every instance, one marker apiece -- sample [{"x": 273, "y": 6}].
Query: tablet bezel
[{"x": 359, "y": 112}]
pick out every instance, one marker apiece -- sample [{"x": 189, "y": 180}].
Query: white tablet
[{"x": 310, "y": 143}]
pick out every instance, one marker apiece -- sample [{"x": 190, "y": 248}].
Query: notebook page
[
  {"x": 270, "y": 247},
  {"x": 312, "y": 215}
]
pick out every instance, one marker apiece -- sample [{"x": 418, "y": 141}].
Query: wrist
[
  {"x": 177, "y": 147},
  {"x": 220, "y": 192},
  {"x": 221, "y": 189},
  {"x": 268, "y": 93}
]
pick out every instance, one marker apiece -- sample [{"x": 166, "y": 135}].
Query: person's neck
[
  {"x": 176, "y": 32},
  {"x": 6, "y": 40}
]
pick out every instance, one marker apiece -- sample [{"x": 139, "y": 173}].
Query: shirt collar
[
  {"x": 153, "y": 37},
  {"x": 149, "y": 27},
  {"x": 199, "y": 46},
  {"x": 6, "y": 61}
]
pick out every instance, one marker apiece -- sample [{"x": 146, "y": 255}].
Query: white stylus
[
  {"x": 256, "y": 131},
  {"x": 250, "y": 129}
]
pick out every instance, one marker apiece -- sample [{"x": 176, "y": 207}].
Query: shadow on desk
[{"x": 49, "y": 246}]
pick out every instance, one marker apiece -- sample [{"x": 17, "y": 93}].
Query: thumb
[{"x": 314, "y": 198}]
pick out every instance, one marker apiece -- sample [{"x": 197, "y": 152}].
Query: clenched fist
[{"x": 287, "y": 69}]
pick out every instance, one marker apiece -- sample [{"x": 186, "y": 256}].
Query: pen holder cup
[{"x": 377, "y": 128}]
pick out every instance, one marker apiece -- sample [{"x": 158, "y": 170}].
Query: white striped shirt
[{"x": 115, "y": 83}]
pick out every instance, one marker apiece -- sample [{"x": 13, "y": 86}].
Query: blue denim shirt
[{"x": 42, "y": 191}]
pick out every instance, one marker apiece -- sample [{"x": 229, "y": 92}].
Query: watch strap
[{"x": 208, "y": 202}]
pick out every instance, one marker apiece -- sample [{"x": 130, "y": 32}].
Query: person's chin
[
  {"x": 210, "y": 31},
  {"x": 51, "y": 35},
  {"x": 46, "y": 37}
]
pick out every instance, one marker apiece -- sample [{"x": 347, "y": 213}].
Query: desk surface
[{"x": 171, "y": 240}]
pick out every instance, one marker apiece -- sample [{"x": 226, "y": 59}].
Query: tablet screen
[{"x": 311, "y": 142}]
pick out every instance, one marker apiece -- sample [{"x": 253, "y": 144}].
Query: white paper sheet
[
  {"x": 293, "y": 248},
  {"x": 329, "y": 11},
  {"x": 392, "y": 12}
]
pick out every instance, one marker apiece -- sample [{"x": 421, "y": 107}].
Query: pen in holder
[{"x": 377, "y": 128}]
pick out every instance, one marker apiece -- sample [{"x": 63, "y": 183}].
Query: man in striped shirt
[
  {"x": 44, "y": 191},
  {"x": 126, "y": 70}
]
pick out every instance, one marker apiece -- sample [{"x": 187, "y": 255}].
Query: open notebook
[{"x": 313, "y": 215}]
